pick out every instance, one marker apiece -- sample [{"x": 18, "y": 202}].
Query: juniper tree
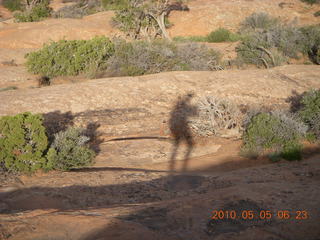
[{"x": 147, "y": 18}]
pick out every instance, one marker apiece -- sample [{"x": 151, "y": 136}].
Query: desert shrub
[
  {"x": 22, "y": 142},
  {"x": 317, "y": 14},
  {"x": 131, "y": 20},
  {"x": 310, "y": 106},
  {"x": 277, "y": 133},
  {"x": 274, "y": 43},
  {"x": 69, "y": 150},
  {"x": 13, "y": 5},
  {"x": 286, "y": 38},
  {"x": 315, "y": 126},
  {"x": 311, "y": 42},
  {"x": 271, "y": 47},
  {"x": 182, "y": 39},
  {"x": 197, "y": 57},
  {"x": 144, "y": 19},
  {"x": 70, "y": 57},
  {"x": 114, "y": 4},
  {"x": 37, "y": 13},
  {"x": 311, "y": 1},
  {"x": 141, "y": 57},
  {"x": 255, "y": 51},
  {"x": 79, "y": 9},
  {"x": 259, "y": 21},
  {"x": 309, "y": 111},
  {"x": 215, "y": 115},
  {"x": 222, "y": 35}
]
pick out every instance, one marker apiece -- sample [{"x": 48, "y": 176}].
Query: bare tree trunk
[
  {"x": 268, "y": 53},
  {"x": 161, "y": 22}
]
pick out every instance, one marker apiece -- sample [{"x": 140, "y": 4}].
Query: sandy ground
[
  {"x": 135, "y": 190},
  {"x": 208, "y": 15}
]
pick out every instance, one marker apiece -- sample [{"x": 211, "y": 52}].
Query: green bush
[
  {"x": 311, "y": 42},
  {"x": 100, "y": 56},
  {"x": 13, "y": 5},
  {"x": 310, "y": 106},
  {"x": 69, "y": 150},
  {"x": 309, "y": 111},
  {"x": 222, "y": 35},
  {"x": 317, "y": 14},
  {"x": 275, "y": 133},
  {"x": 70, "y": 57},
  {"x": 22, "y": 142},
  {"x": 131, "y": 19},
  {"x": 37, "y": 13}
]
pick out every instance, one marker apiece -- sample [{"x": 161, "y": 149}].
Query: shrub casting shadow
[{"x": 56, "y": 121}]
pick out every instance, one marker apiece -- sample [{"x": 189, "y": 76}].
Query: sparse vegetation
[
  {"x": 82, "y": 8},
  {"x": 35, "y": 13},
  {"x": 259, "y": 50},
  {"x": 219, "y": 35},
  {"x": 140, "y": 57},
  {"x": 197, "y": 57},
  {"x": 272, "y": 43},
  {"x": 311, "y": 1},
  {"x": 222, "y": 35},
  {"x": 70, "y": 57},
  {"x": 8, "y": 88},
  {"x": 24, "y": 146},
  {"x": 309, "y": 111},
  {"x": 22, "y": 142},
  {"x": 146, "y": 19},
  {"x": 79, "y": 9},
  {"x": 114, "y": 4},
  {"x": 13, "y": 5},
  {"x": 121, "y": 58},
  {"x": 215, "y": 115},
  {"x": 69, "y": 150},
  {"x": 190, "y": 39},
  {"x": 311, "y": 42},
  {"x": 256, "y": 21},
  {"x": 277, "y": 134},
  {"x": 317, "y": 14}
]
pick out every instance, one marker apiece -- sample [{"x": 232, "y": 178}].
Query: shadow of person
[{"x": 180, "y": 129}]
